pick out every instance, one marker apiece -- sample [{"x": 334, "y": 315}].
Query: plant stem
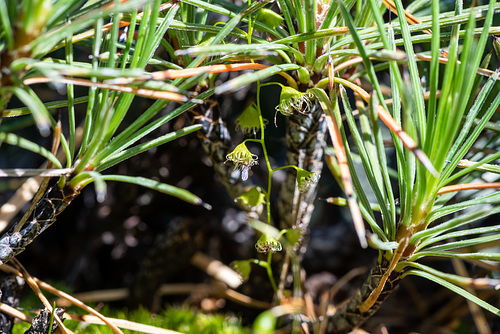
[
  {"x": 266, "y": 157},
  {"x": 270, "y": 272}
]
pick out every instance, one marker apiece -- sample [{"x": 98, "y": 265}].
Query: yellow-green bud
[
  {"x": 252, "y": 198},
  {"x": 292, "y": 100},
  {"x": 267, "y": 244},
  {"x": 249, "y": 121},
  {"x": 306, "y": 179},
  {"x": 269, "y": 18},
  {"x": 243, "y": 159}
]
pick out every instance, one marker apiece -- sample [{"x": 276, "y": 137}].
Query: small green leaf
[
  {"x": 252, "y": 198},
  {"x": 461, "y": 233},
  {"x": 479, "y": 283},
  {"x": 243, "y": 268},
  {"x": 6, "y": 26},
  {"x": 306, "y": 179},
  {"x": 293, "y": 235},
  {"x": 454, "y": 223},
  {"x": 468, "y": 256},
  {"x": 446, "y": 210},
  {"x": 376, "y": 243},
  {"x": 467, "y": 243},
  {"x": 14, "y": 112},
  {"x": 99, "y": 185}
]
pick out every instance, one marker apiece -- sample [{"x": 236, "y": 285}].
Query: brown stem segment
[
  {"x": 349, "y": 316},
  {"x": 44, "y": 214}
]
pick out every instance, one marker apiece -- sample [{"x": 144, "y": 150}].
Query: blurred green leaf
[
  {"x": 12, "y": 139},
  {"x": 160, "y": 187},
  {"x": 455, "y": 289},
  {"x": 243, "y": 267}
]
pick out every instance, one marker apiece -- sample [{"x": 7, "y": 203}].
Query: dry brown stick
[
  {"x": 56, "y": 141},
  {"x": 148, "y": 93},
  {"x": 97, "y": 295},
  {"x": 409, "y": 17},
  {"x": 468, "y": 186},
  {"x": 23, "y": 194},
  {"x": 442, "y": 60},
  {"x": 59, "y": 293},
  {"x": 13, "y": 312},
  {"x": 34, "y": 286},
  {"x": 240, "y": 298},
  {"x": 168, "y": 289},
  {"x": 216, "y": 269},
  {"x": 345, "y": 279}
]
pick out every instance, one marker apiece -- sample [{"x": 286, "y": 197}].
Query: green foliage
[
  {"x": 180, "y": 319},
  {"x": 265, "y": 323},
  {"x": 104, "y": 142},
  {"x": 442, "y": 129}
]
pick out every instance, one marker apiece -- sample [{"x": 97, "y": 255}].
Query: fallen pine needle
[{"x": 468, "y": 186}]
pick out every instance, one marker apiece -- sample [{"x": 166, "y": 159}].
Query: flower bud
[
  {"x": 248, "y": 121},
  {"x": 269, "y": 18},
  {"x": 267, "y": 244},
  {"x": 292, "y": 100},
  {"x": 243, "y": 159},
  {"x": 306, "y": 179}
]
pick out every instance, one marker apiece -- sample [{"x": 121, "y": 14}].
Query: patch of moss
[{"x": 181, "y": 319}]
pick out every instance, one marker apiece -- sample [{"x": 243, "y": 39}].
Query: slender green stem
[
  {"x": 266, "y": 157},
  {"x": 267, "y": 265},
  {"x": 71, "y": 104},
  {"x": 270, "y": 272},
  {"x": 250, "y": 25},
  {"x": 284, "y": 167}
]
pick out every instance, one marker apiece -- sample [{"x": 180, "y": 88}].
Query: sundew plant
[{"x": 422, "y": 72}]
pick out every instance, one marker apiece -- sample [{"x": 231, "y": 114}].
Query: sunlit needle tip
[
  {"x": 206, "y": 205},
  {"x": 422, "y": 157}
]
